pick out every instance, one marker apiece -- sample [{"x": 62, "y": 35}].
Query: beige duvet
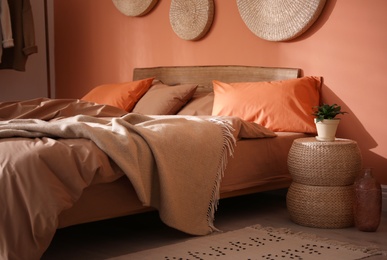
[{"x": 50, "y": 150}]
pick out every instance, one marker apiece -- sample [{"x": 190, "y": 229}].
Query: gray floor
[{"x": 105, "y": 239}]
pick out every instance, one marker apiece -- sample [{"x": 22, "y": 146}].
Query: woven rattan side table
[{"x": 321, "y": 194}]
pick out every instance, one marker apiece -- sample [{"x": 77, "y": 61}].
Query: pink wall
[{"x": 96, "y": 44}]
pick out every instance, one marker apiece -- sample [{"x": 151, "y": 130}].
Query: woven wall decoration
[
  {"x": 134, "y": 7},
  {"x": 279, "y": 20},
  {"x": 191, "y": 19}
]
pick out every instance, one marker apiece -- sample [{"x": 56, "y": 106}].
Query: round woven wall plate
[
  {"x": 191, "y": 19},
  {"x": 134, "y": 7},
  {"x": 279, "y": 20}
]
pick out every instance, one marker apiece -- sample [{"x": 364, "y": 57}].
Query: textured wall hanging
[
  {"x": 279, "y": 20},
  {"x": 191, "y": 19},
  {"x": 134, "y": 7}
]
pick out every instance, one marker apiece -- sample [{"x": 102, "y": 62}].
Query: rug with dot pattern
[{"x": 257, "y": 242}]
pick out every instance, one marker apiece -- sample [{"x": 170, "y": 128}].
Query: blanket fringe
[
  {"x": 229, "y": 143},
  {"x": 372, "y": 250}
]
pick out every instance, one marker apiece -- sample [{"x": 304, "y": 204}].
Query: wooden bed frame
[
  {"x": 204, "y": 75},
  {"x": 103, "y": 201}
]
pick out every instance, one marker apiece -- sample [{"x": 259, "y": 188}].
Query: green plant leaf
[{"x": 326, "y": 111}]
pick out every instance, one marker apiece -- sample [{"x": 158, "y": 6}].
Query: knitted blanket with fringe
[{"x": 174, "y": 164}]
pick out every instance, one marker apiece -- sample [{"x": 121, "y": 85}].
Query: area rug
[{"x": 257, "y": 242}]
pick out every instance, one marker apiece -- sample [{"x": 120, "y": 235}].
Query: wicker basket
[
  {"x": 279, "y": 20},
  {"x": 134, "y": 7},
  {"x": 322, "y": 207},
  {"x": 318, "y": 163},
  {"x": 191, "y": 20}
]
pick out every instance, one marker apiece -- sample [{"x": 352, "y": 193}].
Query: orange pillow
[
  {"x": 281, "y": 106},
  {"x": 121, "y": 95}
]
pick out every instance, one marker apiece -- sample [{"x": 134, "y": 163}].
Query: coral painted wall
[{"x": 96, "y": 44}]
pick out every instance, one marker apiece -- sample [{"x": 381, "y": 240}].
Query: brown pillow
[
  {"x": 163, "y": 99},
  {"x": 200, "y": 104}
]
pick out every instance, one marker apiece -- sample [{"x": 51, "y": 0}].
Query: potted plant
[{"x": 326, "y": 121}]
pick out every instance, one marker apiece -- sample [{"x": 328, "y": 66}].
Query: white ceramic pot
[{"x": 326, "y": 129}]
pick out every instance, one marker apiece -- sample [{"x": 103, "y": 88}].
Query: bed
[{"x": 92, "y": 138}]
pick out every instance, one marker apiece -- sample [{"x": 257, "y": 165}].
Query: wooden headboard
[{"x": 203, "y": 75}]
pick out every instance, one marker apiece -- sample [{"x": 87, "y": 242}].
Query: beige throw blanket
[{"x": 174, "y": 163}]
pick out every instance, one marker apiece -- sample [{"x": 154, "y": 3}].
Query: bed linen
[
  {"x": 47, "y": 162},
  {"x": 257, "y": 165}
]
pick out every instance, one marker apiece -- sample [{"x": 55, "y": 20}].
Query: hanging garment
[
  {"x": 23, "y": 35},
  {"x": 6, "y": 40}
]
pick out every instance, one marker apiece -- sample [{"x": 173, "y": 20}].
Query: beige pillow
[
  {"x": 163, "y": 99},
  {"x": 200, "y": 104}
]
